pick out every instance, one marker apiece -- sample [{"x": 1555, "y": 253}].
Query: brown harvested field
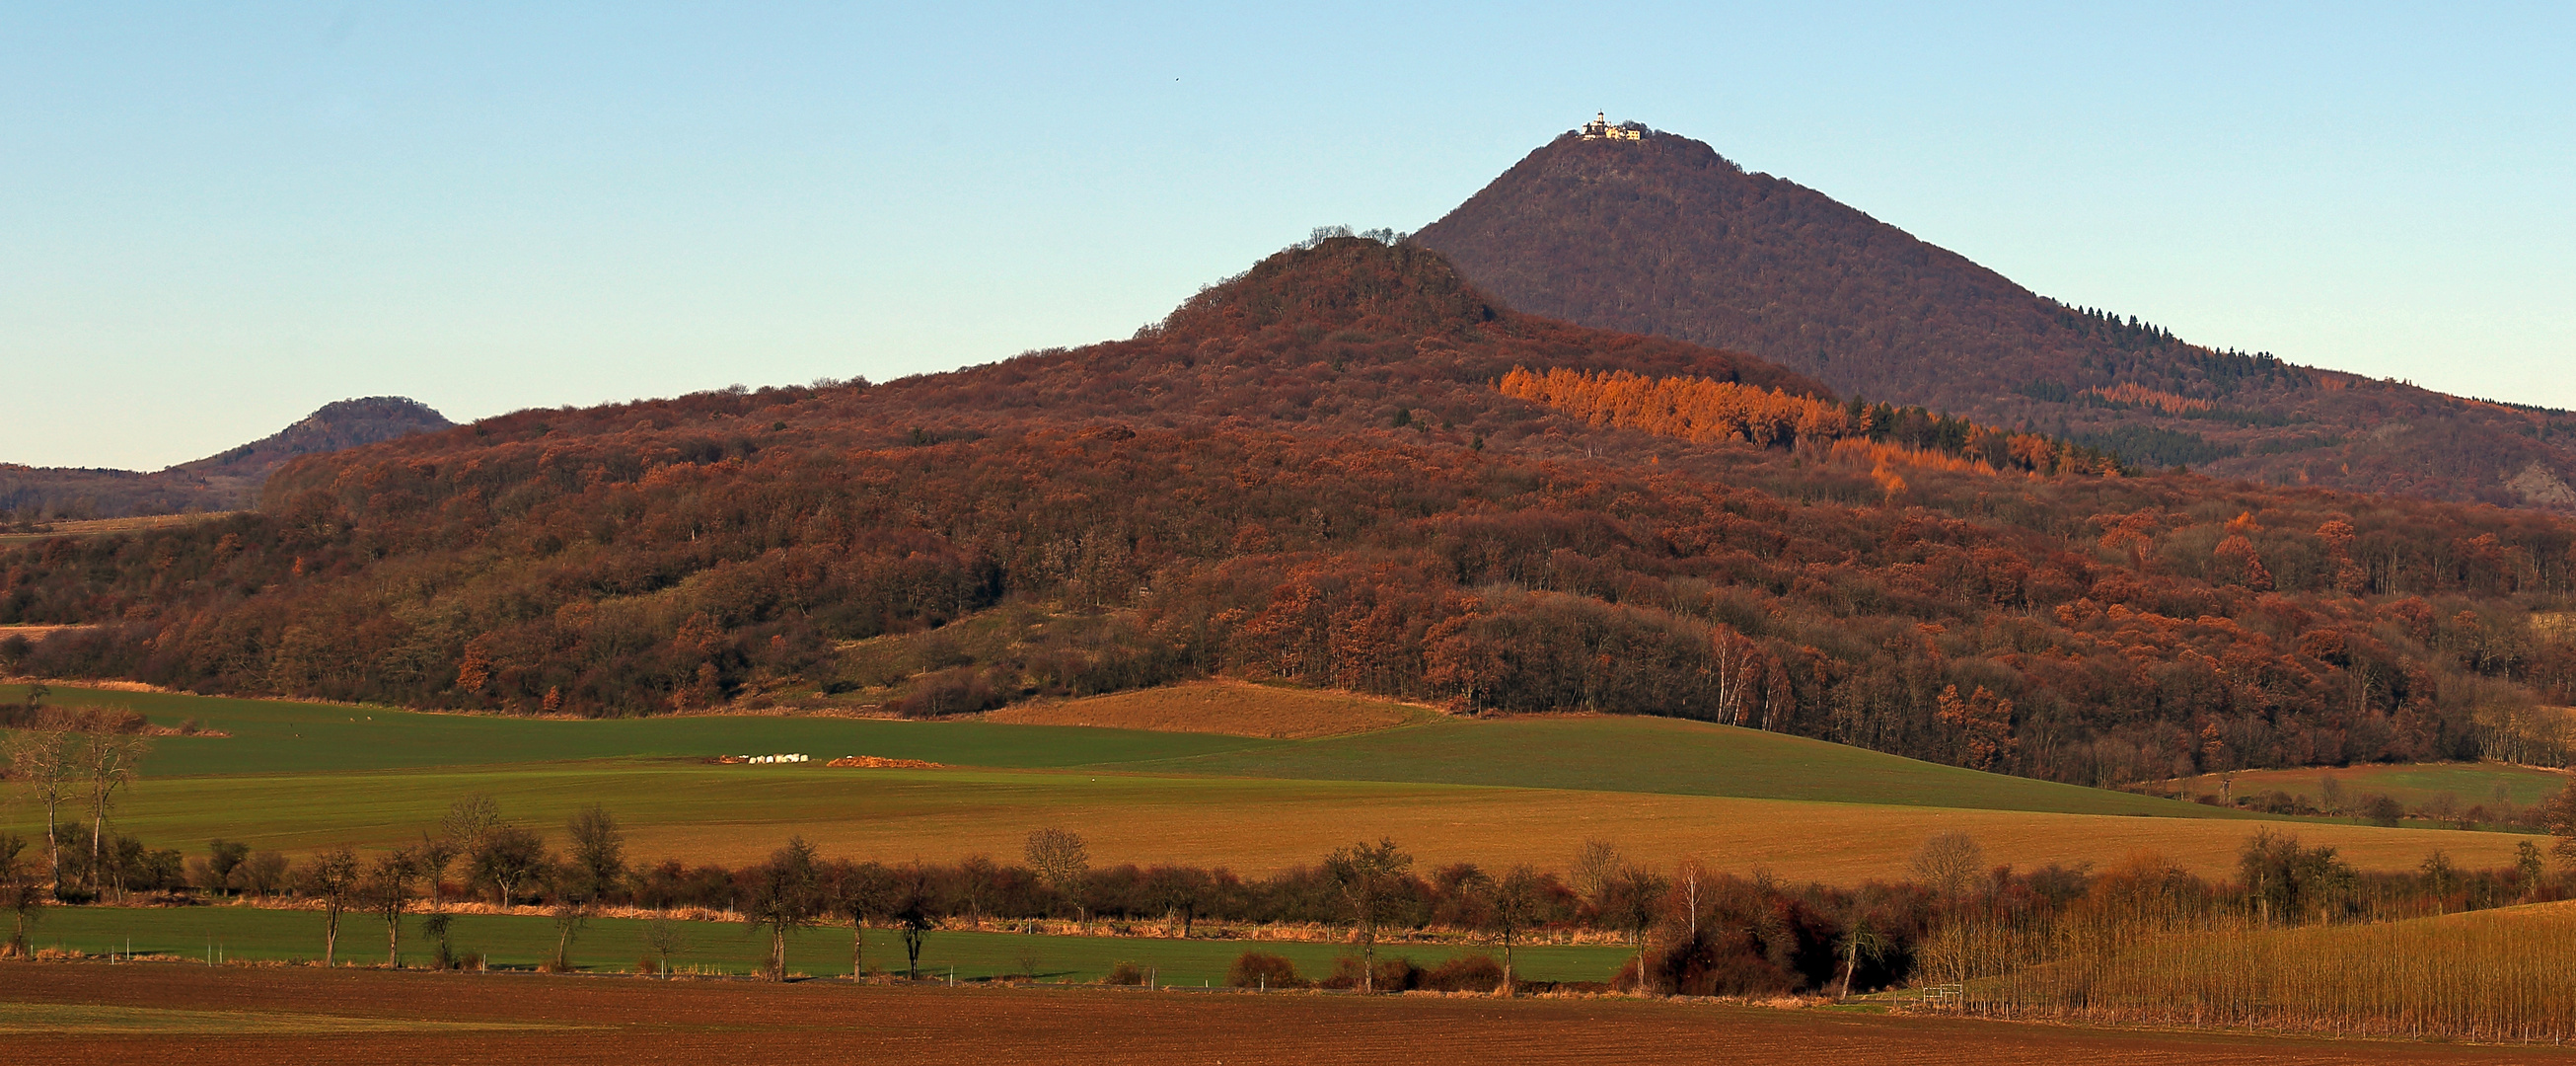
[
  {"x": 1268, "y": 829},
  {"x": 1255, "y": 825},
  {"x": 1229, "y": 707},
  {"x": 49, "y": 1013}
]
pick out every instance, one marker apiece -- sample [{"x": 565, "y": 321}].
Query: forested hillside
[
  {"x": 1664, "y": 236},
  {"x": 1323, "y": 471}
]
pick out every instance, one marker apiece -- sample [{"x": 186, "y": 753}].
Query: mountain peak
[{"x": 1662, "y": 235}]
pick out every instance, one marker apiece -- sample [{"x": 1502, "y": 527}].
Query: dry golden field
[{"x": 734, "y": 814}]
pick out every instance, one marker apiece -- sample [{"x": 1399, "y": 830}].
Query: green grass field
[
  {"x": 249, "y": 934},
  {"x": 296, "y": 777},
  {"x": 1657, "y": 755},
  {"x": 277, "y": 736}
]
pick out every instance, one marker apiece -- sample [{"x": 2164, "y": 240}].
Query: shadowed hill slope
[{"x": 1664, "y": 236}]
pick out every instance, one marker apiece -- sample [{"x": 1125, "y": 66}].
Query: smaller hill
[
  {"x": 335, "y": 426},
  {"x": 227, "y": 480}
]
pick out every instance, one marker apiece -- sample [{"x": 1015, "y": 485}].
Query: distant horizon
[{"x": 223, "y": 220}]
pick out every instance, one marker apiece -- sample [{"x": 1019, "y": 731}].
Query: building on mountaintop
[{"x": 1600, "y": 129}]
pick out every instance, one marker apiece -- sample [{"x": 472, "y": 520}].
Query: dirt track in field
[{"x": 627, "y": 1021}]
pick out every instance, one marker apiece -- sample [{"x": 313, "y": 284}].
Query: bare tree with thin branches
[
  {"x": 1594, "y": 866},
  {"x": 22, "y": 892},
  {"x": 1061, "y": 860},
  {"x": 858, "y": 893},
  {"x": 1370, "y": 878},
  {"x": 110, "y": 762},
  {"x": 332, "y": 877},
  {"x": 387, "y": 892},
  {"x": 1516, "y": 904},
  {"x": 665, "y": 937},
  {"x": 1948, "y": 863},
  {"x": 1692, "y": 884},
  {"x": 786, "y": 895},
  {"x": 44, "y": 759}
]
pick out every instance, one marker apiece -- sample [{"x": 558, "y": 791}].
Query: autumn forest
[{"x": 1348, "y": 467}]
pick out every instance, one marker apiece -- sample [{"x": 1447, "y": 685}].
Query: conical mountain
[{"x": 1663, "y": 235}]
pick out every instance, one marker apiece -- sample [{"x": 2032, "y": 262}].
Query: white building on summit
[{"x": 1600, "y": 129}]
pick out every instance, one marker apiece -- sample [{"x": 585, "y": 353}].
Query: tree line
[{"x": 1694, "y": 929}]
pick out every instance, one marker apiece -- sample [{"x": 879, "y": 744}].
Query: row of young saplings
[
  {"x": 2299, "y": 943},
  {"x": 2138, "y": 940}
]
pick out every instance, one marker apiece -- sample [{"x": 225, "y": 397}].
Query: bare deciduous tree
[
  {"x": 665, "y": 937},
  {"x": 1948, "y": 863},
  {"x": 915, "y": 902},
  {"x": 1517, "y": 904},
  {"x": 570, "y": 916},
  {"x": 858, "y": 893},
  {"x": 1631, "y": 903},
  {"x": 332, "y": 877},
  {"x": 1061, "y": 860},
  {"x": 1370, "y": 878},
  {"x": 1692, "y": 881},
  {"x": 468, "y": 820},
  {"x": 43, "y": 759},
  {"x": 597, "y": 861},
  {"x": 22, "y": 891},
  {"x": 1594, "y": 866},
  {"x": 1858, "y": 940},
  {"x": 264, "y": 873},
  {"x": 508, "y": 858},
  {"x": 434, "y": 854},
  {"x": 387, "y": 892},
  {"x": 220, "y": 870},
  {"x": 109, "y": 761},
  {"x": 786, "y": 895},
  {"x": 592, "y": 870}
]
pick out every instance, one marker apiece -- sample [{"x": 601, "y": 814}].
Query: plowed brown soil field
[{"x": 96, "y": 1013}]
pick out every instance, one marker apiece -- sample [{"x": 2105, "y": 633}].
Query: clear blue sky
[{"x": 214, "y": 218}]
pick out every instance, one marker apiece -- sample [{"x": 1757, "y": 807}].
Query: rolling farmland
[{"x": 298, "y": 777}]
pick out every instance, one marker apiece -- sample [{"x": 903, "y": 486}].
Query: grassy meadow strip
[
  {"x": 283, "y": 736},
  {"x": 1602, "y": 754},
  {"x": 607, "y": 945}
]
